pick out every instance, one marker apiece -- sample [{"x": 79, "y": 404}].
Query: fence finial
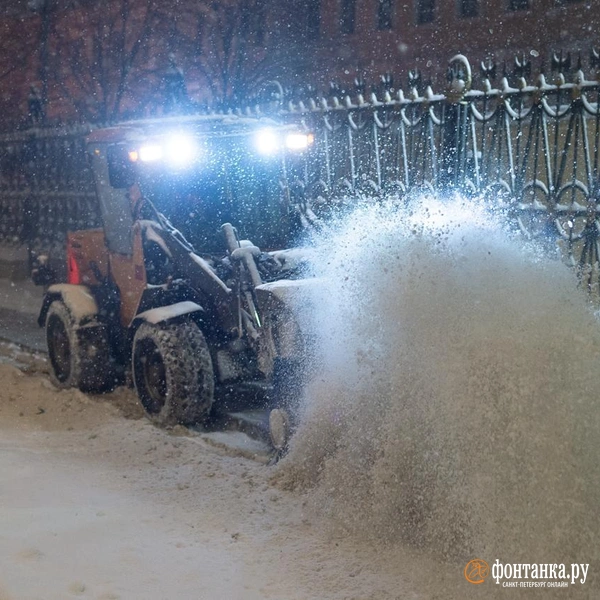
[{"x": 459, "y": 78}]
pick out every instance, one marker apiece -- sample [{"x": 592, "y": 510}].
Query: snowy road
[
  {"x": 72, "y": 529},
  {"x": 99, "y": 504}
]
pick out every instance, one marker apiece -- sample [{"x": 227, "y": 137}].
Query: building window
[
  {"x": 348, "y": 16},
  {"x": 518, "y": 5},
  {"x": 384, "y": 14},
  {"x": 468, "y": 8},
  {"x": 313, "y": 18},
  {"x": 425, "y": 11}
]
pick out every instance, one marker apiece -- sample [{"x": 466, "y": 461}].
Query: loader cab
[{"x": 199, "y": 172}]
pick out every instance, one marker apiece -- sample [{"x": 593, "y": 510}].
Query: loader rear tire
[
  {"x": 173, "y": 372},
  {"x": 79, "y": 356}
]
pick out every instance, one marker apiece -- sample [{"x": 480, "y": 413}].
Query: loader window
[
  {"x": 121, "y": 171},
  {"x": 195, "y": 203}
]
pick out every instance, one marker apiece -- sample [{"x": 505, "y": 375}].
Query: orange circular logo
[{"x": 476, "y": 571}]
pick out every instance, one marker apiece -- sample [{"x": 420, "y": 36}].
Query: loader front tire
[
  {"x": 79, "y": 356},
  {"x": 173, "y": 372}
]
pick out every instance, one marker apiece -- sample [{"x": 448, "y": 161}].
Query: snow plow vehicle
[{"x": 185, "y": 305}]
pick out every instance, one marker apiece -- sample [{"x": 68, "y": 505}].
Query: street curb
[
  {"x": 13, "y": 270},
  {"x": 14, "y": 263}
]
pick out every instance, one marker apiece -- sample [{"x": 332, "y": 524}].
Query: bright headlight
[
  {"x": 150, "y": 153},
  {"x": 267, "y": 141},
  {"x": 181, "y": 150},
  {"x": 177, "y": 150},
  {"x": 298, "y": 141}
]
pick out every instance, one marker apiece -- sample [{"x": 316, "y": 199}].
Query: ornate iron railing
[
  {"x": 46, "y": 187},
  {"x": 531, "y": 147}
]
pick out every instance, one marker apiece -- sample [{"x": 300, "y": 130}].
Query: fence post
[{"x": 455, "y": 127}]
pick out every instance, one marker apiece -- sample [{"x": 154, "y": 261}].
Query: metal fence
[
  {"x": 46, "y": 187},
  {"x": 531, "y": 146}
]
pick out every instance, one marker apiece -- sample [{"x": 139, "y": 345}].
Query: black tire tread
[
  {"x": 188, "y": 371},
  {"x": 92, "y": 367}
]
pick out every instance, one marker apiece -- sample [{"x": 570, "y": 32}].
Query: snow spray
[{"x": 455, "y": 408}]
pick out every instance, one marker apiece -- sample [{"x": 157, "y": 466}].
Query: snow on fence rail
[{"x": 532, "y": 146}]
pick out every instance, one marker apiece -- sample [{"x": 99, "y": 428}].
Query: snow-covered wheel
[
  {"x": 279, "y": 428},
  {"x": 79, "y": 356},
  {"x": 173, "y": 372},
  {"x": 288, "y": 382}
]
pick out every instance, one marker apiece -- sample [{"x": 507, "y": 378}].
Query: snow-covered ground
[{"x": 98, "y": 503}]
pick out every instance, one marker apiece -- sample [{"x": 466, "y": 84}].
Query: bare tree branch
[{"x": 98, "y": 63}]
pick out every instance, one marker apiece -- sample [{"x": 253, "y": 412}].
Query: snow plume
[{"x": 455, "y": 407}]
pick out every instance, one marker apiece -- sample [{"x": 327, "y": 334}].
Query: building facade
[
  {"x": 100, "y": 60},
  {"x": 365, "y": 38}
]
